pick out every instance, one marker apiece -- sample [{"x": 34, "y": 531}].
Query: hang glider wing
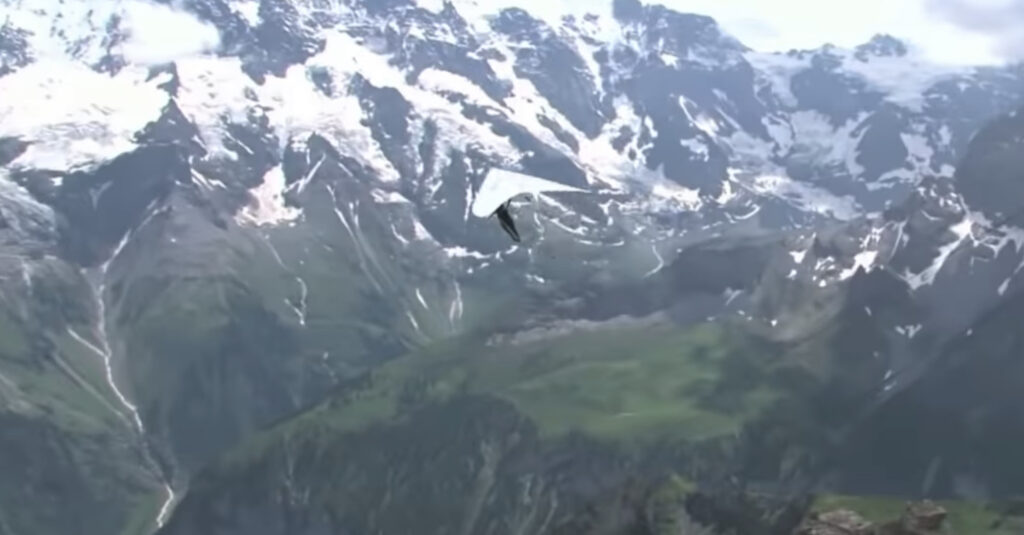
[{"x": 500, "y": 185}]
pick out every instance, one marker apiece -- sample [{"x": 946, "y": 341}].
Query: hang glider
[{"x": 500, "y": 186}]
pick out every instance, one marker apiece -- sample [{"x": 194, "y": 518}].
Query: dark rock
[
  {"x": 174, "y": 128},
  {"x": 881, "y": 149},
  {"x": 388, "y": 121},
  {"x": 991, "y": 175},
  {"x": 627, "y": 10},
  {"x": 826, "y": 89},
  {"x": 556, "y": 69},
  {"x": 171, "y": 69},
  {"x": 284, "y": 36},
  {"x": 10, "y": 149},
  {"x": 881, "y": 45},
  {"x": 100, "y": 208},
  {"x": 322, "y": 79},
  {"x": 14, "y": 49}
]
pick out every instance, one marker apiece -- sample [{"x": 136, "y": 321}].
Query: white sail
[{"x": 501, "y": 185}]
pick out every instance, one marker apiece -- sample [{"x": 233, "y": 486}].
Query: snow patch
[
  {"x": 910, "y": 331},
  {"x": 806, "y": 197},
  {"x": 73, "y": 117},
  {"x": 728, "y": 193},
  {"x": 148, "y": 32},
  {"x": 921, "y": 152},
  {"x": 864, "y": 259},
  {"x": 905, "y": 80},
  {"x": 776, "y": 71},
  {"x": 816, "y": 140},
  {"x": 697, "y": 147},
  {"x": 267, "y": 206},
  {"x": 214, "y": 92},
  {"x": 441, "y": 81},
  {"x": 684, "y": 197},
  {"x": 249, "y": 10},
  {"x": 462, "y": 252},
  {"x": 388, "y": 197}
]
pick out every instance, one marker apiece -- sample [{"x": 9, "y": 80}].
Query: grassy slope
[
  {"x": 623, "y": 384},
  {"x": 626, "y": 384},
  {"x": 69, "y": 458}
]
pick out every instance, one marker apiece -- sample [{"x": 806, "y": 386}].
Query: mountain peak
[
  {"x": 881, "y": 45},
  {"x": 627, "y": 10}
]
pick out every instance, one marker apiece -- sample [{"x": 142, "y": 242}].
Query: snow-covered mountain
[
  {"x": 656, "y": 100},
  {"x": 202, "y": 238}
]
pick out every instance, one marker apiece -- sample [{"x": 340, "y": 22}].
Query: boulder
[
  {"x": 926, "y": 516},
  {"x": 839, "y": 522}
]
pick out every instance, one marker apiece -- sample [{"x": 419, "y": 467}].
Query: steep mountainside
[
  {"x": 192, "y": 250},
  {"x": 873, "y": 385}
]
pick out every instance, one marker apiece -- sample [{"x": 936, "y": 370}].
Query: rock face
[
  {"x": 954, "y": 404},
  {"x": 195, "y": 250}
]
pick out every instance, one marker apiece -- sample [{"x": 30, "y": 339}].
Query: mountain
[
  {"x": 880, "y": 385},
  {"x": 265, "y": 252}
]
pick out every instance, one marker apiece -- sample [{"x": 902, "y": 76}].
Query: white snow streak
[
  {"x": 412, "y": 320},
  {"x": 165, "y": 509},
  {"x": 309, "y": 176},
  {"x": 455, "y": 310},
  {"x": 357, "y": 243},
  {"x": 300, "y": 309},
  {"x": 962, "y": 230},
  {"x": 104, "y": 352},
  {"x": 658, "y": 258}
]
